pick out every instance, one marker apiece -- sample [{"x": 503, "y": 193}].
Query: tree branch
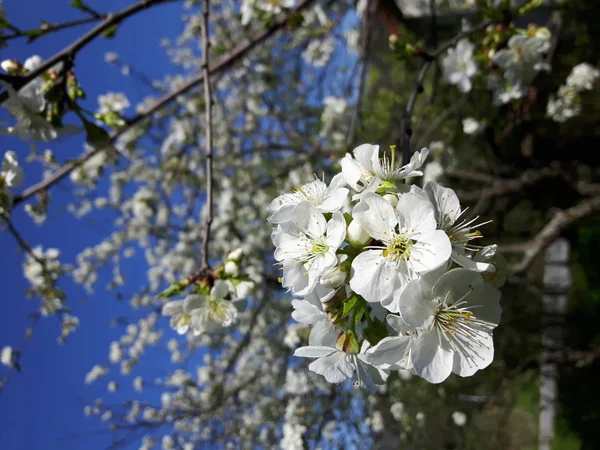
[
  {"x": 71, "y": 50},
  {"x": 553, "y": 229},
  {"x": 208, "y": 140},
  {"x": 429, "y": 59}
]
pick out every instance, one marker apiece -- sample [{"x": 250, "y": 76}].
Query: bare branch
[
  {"x": 560, "y": 221},
  {"x": 71, "y": 50},
  {"x": 429, "y": 59},
  {"x": 208, "y": 140}
]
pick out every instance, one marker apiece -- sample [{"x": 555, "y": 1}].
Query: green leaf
[
  {"x": 95, "y": 134},
  {"x": 349, "y": 305},
  {"x": 110, "y": 32},
  {"x": 33, "y": 35}
]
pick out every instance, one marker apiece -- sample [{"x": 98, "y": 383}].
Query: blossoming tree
[{"x": 287, "y": 193}]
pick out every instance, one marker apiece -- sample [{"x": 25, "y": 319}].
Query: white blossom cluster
[
  {"x": 388, "y": 273},
  {"x": 28, "y": 105},
  {"x": 11, "y": 175},
  {"x": 520, "y": 62},
  {"x": 205, "y": 312},
  {"x": 566, "y": 104}
]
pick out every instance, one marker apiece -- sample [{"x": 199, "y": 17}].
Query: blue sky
[{"x": 42, "y": 408}]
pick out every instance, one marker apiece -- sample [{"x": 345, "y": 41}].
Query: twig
[
  {"x": 52, "y": 28},
  {"x": 225, "y": 63},
  {"x": 71, "y": 50},
  {"x": 560, "y": 221},
  {"x": 504, "y": 186},
  {"x": 208, "y": 140},
  {"x": 429, "y": 59}
]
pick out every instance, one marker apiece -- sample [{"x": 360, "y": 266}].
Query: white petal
[
  {"x": 444, "y": 200},
  {"x": 388, "y": 352},
  {"x": 373, "y": 277},
  {"x": 473, "y": 354},
  {"x": 305, "y": 312},
  {"x": 172, "y": 308},
  {"x": 335, "y": 368},
  {"x": 430, "y": 251},
  {"x": 376, "y": 216},
  {"x": 416, "y": 305},
  {"x": 314, "y": 351},
  {"x": 471, "y": 264},
  {"x": 322, "y": 333},
  {"x": 193, "y": 301},
  {"x": 365, "y": 154},
  {"x": 335, "y": 200},
  {"x": 219, "y": 290},
  {"x": 416, "y": 214},
  {"x": 431, "y": 361},
  {"x": 336, "y": 230}
]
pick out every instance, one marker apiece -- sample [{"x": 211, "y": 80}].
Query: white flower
[
  {"x": 273, "y": 7},
  {"x": 307, "y": 246},
  {"x": 11, "y": 173},
  {"x": 26, "y": 106},
  {"x": 96, "y": 372},
  {"x": 582, "y": 77},
  {"x": 336, "y": 365},
  {"x": 460, "y": 232},
  {"x": 200, "y": 313},
  {"x": 410, "y": 244},
  {"x": 472, "y": 126},
  {"x": 459, "y": 66},
  {"x": 10, "y": 357},
  {"x": 365, "y": 170},
  {"x": 459, "y": 418},
  {"x": 522, "y": 59},
  {"x": 112, "y": 102},
  {"x": 456, "y": 315},
  {"x": 326, "y": 198},
  {"x": 319, "y": 51}
]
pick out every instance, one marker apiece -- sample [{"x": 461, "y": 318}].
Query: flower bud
[
  {"x": 236, "y": 255},
  {"x": 10, "y": 66},
  {"x": 356, "y": 235},
  {"x": 334, "y": 278},
  {"x": 232, "y": 269},
  {"x": 391, "y": 198}
]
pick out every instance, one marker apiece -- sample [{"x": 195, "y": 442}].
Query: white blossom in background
[
  {"x": 582, "y": 77},
  {"x": 459, "y": 66},
  {"x": 271, "y": 7},
  {"x": 200, "y": 313},
  {"x": 520, "y": 62},
  {"x": 11, "y": 175},
  {"x": 472, "y": 126},
  {"x": 319, "y": 51},
  {"x": 567, "y": 102},
  {"x": 112, "y": 102},
  {"x": 459, "y": 418},
  {"x": 96, "y": 373}
]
